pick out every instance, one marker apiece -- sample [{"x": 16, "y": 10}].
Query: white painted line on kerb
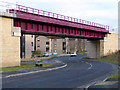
[{"x": 35, "y": 71}]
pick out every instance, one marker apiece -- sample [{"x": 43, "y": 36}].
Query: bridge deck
[{"x": 30, "y": 19}]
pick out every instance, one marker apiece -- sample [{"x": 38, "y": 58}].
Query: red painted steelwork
[
  {"x": 56, "y": 29},
  {"x": 57, "y": 16},
  {"x": 30, "y": 19},
  {"x": 29, "y": 16}
]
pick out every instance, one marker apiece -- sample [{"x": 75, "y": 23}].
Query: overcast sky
[{"x": 99, "y": 11}]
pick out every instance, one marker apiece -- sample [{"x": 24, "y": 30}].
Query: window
[
  {"x": 38, "y": 45},
  {"x": 47, "y": 40},
  {"x": 47, "y": 46},
  {"x": 64, "y": 40},
  {"x": 32, "y": 53},
  {"x": 55, "y": 50},
  {"x": 47, "y": 49},
  {"x": 31, "y": 43},
  {"x": 63, "y": 51},
  {"x": 55, "y": 45},
  {"x": 23, "y": 54},
  {"x": 23, "y": 43},
  {"x": 38, "y": 39}
]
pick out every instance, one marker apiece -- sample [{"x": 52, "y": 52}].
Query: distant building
[
  {"x": 75, "y": 45},
  {"x": 27, "y": 46},
  {"x": 50, "y": 44},
  {"x": 60, "y": 45},
  {"x": 31, "y": 43}
]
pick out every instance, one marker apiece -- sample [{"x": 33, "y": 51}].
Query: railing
[
  {"x": 58, "y": 16},
  {"x": 49, "y": 14},
  {"x": 5, "y": 6}
]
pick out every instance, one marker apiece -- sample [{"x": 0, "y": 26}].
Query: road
[{"x": 78, "y": 74}]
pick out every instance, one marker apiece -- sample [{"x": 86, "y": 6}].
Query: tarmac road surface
[{"x": 77, "y": 74}]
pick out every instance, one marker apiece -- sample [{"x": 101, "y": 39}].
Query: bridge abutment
[{"x": 9, "y": 41}]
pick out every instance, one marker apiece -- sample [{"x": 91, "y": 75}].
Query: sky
[{"x": 100, "y": 11}]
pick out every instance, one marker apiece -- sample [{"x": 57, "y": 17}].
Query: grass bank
[
  {"x": 22, "y": 67},
  {"x": 114, "y": 58}
]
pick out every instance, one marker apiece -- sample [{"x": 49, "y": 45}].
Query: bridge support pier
[
  {"x": 100, "y": 48},
  {"x": 9, "y": 41},
  {"x": 93, "y": 48}
]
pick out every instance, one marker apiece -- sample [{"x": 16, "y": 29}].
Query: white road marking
[
  {"x": 90, "y": 65},
  {"x": 19, "y": 74}
]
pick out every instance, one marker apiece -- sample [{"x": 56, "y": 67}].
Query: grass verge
[
  {"x": 82, "y": 53},
  {"x": 115, "y": 76},
  {"x": 23, "y": 67},
  {"x": 31, "y": 60},
  {"x": 45, "y": 59}
]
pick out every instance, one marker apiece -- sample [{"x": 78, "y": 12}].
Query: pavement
[
  {"x": 72, "y": 72},
  {"x": 109, "y": 83}
]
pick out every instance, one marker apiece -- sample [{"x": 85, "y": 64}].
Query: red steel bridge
[{"x": 36, "y": 21}]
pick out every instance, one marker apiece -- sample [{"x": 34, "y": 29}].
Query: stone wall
[
  {"x": 111, "y": 43},
  {"x": 93, "y": 48},
  {"x": 9, "y": 43}
]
